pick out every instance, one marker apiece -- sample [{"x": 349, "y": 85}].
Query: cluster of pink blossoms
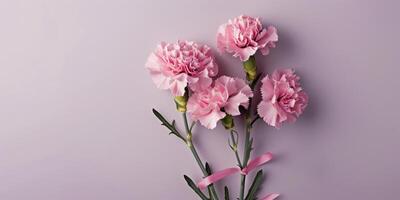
[
  {"x": 188, "y": 66},
  {"x": 189, "y": 71}
]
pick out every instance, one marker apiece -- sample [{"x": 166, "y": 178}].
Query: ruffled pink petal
[
  {"x": 282, "y": 116},
  {"x": 221, "y": 37},
  {"x": 261, "y": 41},
  {"x": 243, "y": 87},
  {"x": 268, "y": 40},
  {"x": 267, "y": 35},
  {"x": 231, "y": 46},
  {"x": 245, "y": 53},
  {"x": 237, "y": 90},
  {"x": 202, "y": 82},
  {"x": 192, "y": 106},
  {"x": 267, "y": 88},
  {"x": 159, "y": 78},
  {"x": 226, "y": 42},
  {"x": 210, "y": 120},
  {"x": 196, "y": 109},
  {"x": 282, "y": 74},
  {"x": 212, "y": 68},
  {"x": 268, "y": 113},
  {"x": 228, "y": 83},
  {"x": 178, "y": 84},
  {"x": 301, "y": 104},
  {"x": 232, "y": 106},
  {"x": 234, "y": 85}
]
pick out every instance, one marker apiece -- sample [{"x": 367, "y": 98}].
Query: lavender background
[{"x": 75, "y": 99}]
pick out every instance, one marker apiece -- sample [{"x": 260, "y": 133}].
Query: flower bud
[
  {"x": 181, "y": 102},
  {"x": 227, "y": 121},
  {"x": 250, "y": 68}
]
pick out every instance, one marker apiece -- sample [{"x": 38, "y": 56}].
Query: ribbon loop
[
  {"x": 270, "y": 196},
  {"x": 215, "y": 177},
  {"x": 257, "y": 162}
]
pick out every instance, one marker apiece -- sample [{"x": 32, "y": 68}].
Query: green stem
[
  {"x": 251, "y": 74},
  {"x": 247, "y": 145},
  {"x": 246, "y": 156},
  {"x": 214, "y": 195},
  {"x": 235, "y": 150},
  {"x": 242, "y": 183}
]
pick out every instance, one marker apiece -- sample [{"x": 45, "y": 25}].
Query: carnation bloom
[
  {"x": 244, "y": 35},
  {"x": 175, "y": 66},
  {"x": 282, "y": 98},
  {"x": 225, "y": 95}
]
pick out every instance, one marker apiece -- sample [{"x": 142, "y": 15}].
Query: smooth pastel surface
[{"x": 76, "y": 120}]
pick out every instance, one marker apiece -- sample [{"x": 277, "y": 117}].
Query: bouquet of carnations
[{"x": 189, "y": 71}]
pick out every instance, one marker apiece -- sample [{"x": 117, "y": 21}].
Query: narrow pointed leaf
[
  {"x": 209, "y": 192},
  {"x": 160, "y": 117},
  {"x": 208, "y": 168},
  {"x": 164, "y": 122},
  {"x": 226, "y": 191},
  {"x": 173, "y": 123},
  {"x": 170, "y": 126},
  {"x": 195, "y": 188},
  {"x": 209, "y": 172},
  {"x": 251, "y": 195}
]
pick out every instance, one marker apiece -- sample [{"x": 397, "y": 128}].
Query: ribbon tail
[
  {"x": 256, "y": 162},
  {"x": 216, "y": 177},
  {"x": 270, "y": 196}
]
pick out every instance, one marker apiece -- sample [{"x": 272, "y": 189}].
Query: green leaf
[
  {"x": 208, "y": 168},
  {"x": 170, "y": 126},
  {"x": 226, "y": 193},
  {"x": 173, "y": 123},
  {"x": 209, "y": 192},
  {"x": 195, "y": 188},
  {"x": 254, "y": 186},
  {"x": 209, "y": 172},
  {"x": 159, "y": 116}
]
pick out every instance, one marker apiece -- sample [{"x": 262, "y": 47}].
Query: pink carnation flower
[
  {"x": 244, "y": 35},
  {"x": 175, "y": 66},
  {"x": 225, "y": 95},
  {"x": 282, "y": 98}
]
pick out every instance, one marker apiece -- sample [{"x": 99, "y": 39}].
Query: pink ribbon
[
  {"x": 229, "y": 171},
  {"x": 233, "y": 170},
  {"x": 270, "y": 196}
]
